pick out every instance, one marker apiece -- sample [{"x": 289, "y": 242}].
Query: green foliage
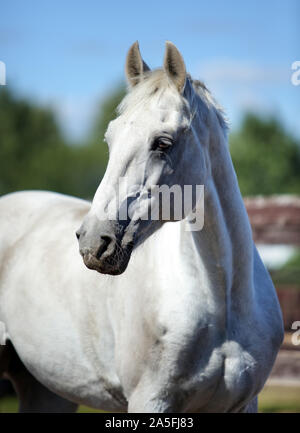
[
  {"x": 30, "y": 145},
  {"x": 289, "y": 273},
  {"x": 34, "y": 154},
  {"x": 107, "y": 112},
  {"x": 96, "y": 147},
  {"x": 266, "y": 157},
  {"x": 293, "y": 262}
]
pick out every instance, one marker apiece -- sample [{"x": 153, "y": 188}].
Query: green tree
[
  {"x": 266, "y": 157},
  {"x": 34, "y": 154},
  {"x": 32, "y": 149},
  {"x": 106, "y": 112},
  {"x": 93, "y": 156}
]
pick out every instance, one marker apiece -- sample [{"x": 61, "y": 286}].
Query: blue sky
[{"x": 70, "y": 54}]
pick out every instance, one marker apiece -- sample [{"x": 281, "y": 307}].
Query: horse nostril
[
  {"x": 105, "y": 241},
  {"x": 78, "y": 234}
]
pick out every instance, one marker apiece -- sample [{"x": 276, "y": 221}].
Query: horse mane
[
  {"x": 205, "y": 96},
  {"x": 156, "y": 82}
]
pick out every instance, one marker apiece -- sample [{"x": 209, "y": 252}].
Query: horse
[{"x": 152, "y": 314}]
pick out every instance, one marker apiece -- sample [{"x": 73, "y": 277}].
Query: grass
[
  {"x": 271, "y": 399},
  {"x": 8, "y": 405},
  {"x": 279, "y": 399}
]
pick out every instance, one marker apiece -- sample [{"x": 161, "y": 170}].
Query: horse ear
[
  {"x": 174, "y": 66},
  {"x": 135, "y": 66}
]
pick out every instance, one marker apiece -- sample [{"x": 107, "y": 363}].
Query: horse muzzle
[{"x": 103, "y": 252}]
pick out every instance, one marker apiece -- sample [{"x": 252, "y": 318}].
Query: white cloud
[
  {"x": 235, "y": 71},
  {"x": 77, "y": 115},
  {"x": 241, "y": 86},
  {"x": 275, "y": 256}
]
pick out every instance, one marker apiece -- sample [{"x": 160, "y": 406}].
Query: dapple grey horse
[{"x": 167, "y": 318}]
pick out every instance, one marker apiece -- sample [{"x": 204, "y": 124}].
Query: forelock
[
  {"x": 153, "y": 87},
  {"x": 156, "y": 85}
]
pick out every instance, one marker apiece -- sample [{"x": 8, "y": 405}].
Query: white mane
[{"x": 156, "y": 83}]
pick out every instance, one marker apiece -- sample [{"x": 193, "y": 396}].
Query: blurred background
[{"x": 65, "y": 76}]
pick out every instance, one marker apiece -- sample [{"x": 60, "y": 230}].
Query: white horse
[{"x": 184, "y": 320}]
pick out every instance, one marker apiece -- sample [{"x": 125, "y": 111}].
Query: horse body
[
  {"x": 56, "y": 317},
  {"x": 98, "y": 340},
  {"x": 191, "y": 322}
]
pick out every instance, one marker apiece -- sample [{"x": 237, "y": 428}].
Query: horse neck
[{"x": 224, "y": 246}]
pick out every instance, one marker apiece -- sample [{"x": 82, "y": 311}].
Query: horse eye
[{"x": 162, "y": 143}]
